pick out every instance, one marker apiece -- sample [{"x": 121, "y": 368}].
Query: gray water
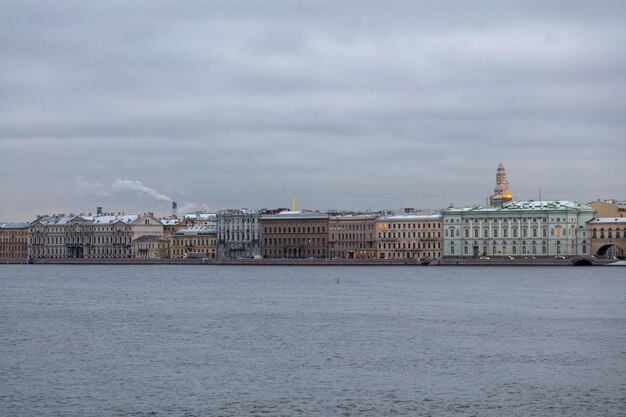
[{"x": 232, "y": 341}]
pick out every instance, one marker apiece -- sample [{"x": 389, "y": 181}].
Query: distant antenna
[{"x": 540, "y": 194}]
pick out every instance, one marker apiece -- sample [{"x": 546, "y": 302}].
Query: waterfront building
[
  {"x": 194, "y": 242},
  {"x": 202, "y": 219},
  {"x": 609, "y": 208},
  {"x": 352, "y": 236},
  {"x": 173, "y": 224},
  {"x": 409, "y": 236},
  {"x": 522, "y": 228},
  {"x": 238, "y": 233},
  {"x": 151, "y": 247},
  {"x": 13, "y": 241},
  {"x": 295, "y": 234},
  {"x": 608, "y": 236},
  {"x": 79, "y": 236},
  {"x": 501, "y": 193}
]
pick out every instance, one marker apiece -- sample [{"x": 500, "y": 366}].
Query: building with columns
[
  {"x": 522, "y": 228},
  {"x": 238, "y": 233},
  {"x": 79, "y": 236}
]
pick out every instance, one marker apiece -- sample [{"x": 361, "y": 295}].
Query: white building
[
  {"x": 102, "y": 236},
  {"x": 522, "y": 228},
  {"x": 238, "y": 233}
]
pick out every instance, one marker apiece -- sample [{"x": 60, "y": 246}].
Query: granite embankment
[{"x": 517, "y": 261}]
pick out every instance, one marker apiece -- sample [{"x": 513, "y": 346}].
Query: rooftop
[
  {"x": 525, "y": 206},
  {"x": 608, "y": 220},
  {"x": 411, "y": 217}
]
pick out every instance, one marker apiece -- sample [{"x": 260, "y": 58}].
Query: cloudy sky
[{"x": 344, "y": 104}]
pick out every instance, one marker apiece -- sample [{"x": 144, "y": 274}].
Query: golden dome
[{"x": 507, "y": 196}]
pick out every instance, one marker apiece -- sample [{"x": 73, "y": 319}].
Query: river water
[{"x": 273, "y": 341}]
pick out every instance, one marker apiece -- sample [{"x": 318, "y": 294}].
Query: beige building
[
  {"x": 194, "y": 242},
  {"x": 104, "y": 236},
  {"x": 409, "y": 236},
  {"x": 352, "y": 237},
  {"x": 13, "y": 241},
  {"x": 173, "y": 224},
  {"x": 294, "y": 234},
  {"x": 608, "y": 236},
  {"x": 151, "y": 247},
  {"x": 609, "y": 208}
]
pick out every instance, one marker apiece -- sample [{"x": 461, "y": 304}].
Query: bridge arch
[{"x": 610, "y": 250}]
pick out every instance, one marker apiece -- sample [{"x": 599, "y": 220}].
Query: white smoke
[
  {"x": 137, "y": 186},
  {"x": 120, "y": 185}
]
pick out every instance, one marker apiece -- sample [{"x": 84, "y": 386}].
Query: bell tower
[{"x": 501, "y": 193}]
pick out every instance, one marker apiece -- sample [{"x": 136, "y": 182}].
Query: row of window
[
  {"x": 409, "y": 245},
  {"x": 609, "y": 234},
  {"x": 310, "y": 241},
  {"x": 409, "y": 235},
  {"x": 355, "y": 226},
  {"x": 294, "y": 229},
  {"x": 409, "y": 225}
]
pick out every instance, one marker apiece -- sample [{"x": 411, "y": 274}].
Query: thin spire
[{"x": 293, "y": 203}]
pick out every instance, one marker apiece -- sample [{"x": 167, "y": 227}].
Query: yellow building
[
  {"x": 151, "y": 247},
  {"x": 409, "y": 236},
  {"x": 194, "y": 242},
  {"x": 609, "y": 208}
]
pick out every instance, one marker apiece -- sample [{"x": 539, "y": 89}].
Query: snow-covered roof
[
  {"x": 13, "y": 225},
  {"x": 411, "y": 217},
  {"x": 127, "y": 218},
  {"x": 608, "y": 220},
  {"x": 294, "y": 215},
  {"x": 170, "y": 222},
  {"x": 202, "y": 216},
  {"x": 526, "y": 206},
  {"x": 199, "y": 230},
  {"x": 237, "y": 212}
]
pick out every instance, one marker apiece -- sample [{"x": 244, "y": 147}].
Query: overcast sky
[{"x": 344, "y": 104}]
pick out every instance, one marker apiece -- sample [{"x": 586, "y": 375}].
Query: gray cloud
[{"x": 358, "y": 104}]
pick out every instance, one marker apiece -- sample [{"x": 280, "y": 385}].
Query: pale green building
[{"x": 521, "y": 228}]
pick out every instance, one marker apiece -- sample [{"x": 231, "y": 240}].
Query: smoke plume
[{"x": 137, "y": 186}]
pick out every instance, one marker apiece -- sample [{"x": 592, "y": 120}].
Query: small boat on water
[{"x": 423, "y": 261}]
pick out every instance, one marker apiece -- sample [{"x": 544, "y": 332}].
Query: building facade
[
  {"x": 409, "y": 236},
  {"x": 238, "y": 234},
  {"x": 173, "y": 224},
  {"x": 104, "y": 236},
  {"x": 13, "y": 241},
  {"x": 608, "y": 237},
  {"x": 194, "y": 242},
  {"x": 151, "y": 247},
  {"x": 523, "y": 228},
  {"x": 352, "y": 237},
  {"x": 609, "y": 208},
  {"x": 294, "y": 234}
]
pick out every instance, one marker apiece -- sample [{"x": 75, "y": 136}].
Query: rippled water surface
[{"x": 230, "y": 341}]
